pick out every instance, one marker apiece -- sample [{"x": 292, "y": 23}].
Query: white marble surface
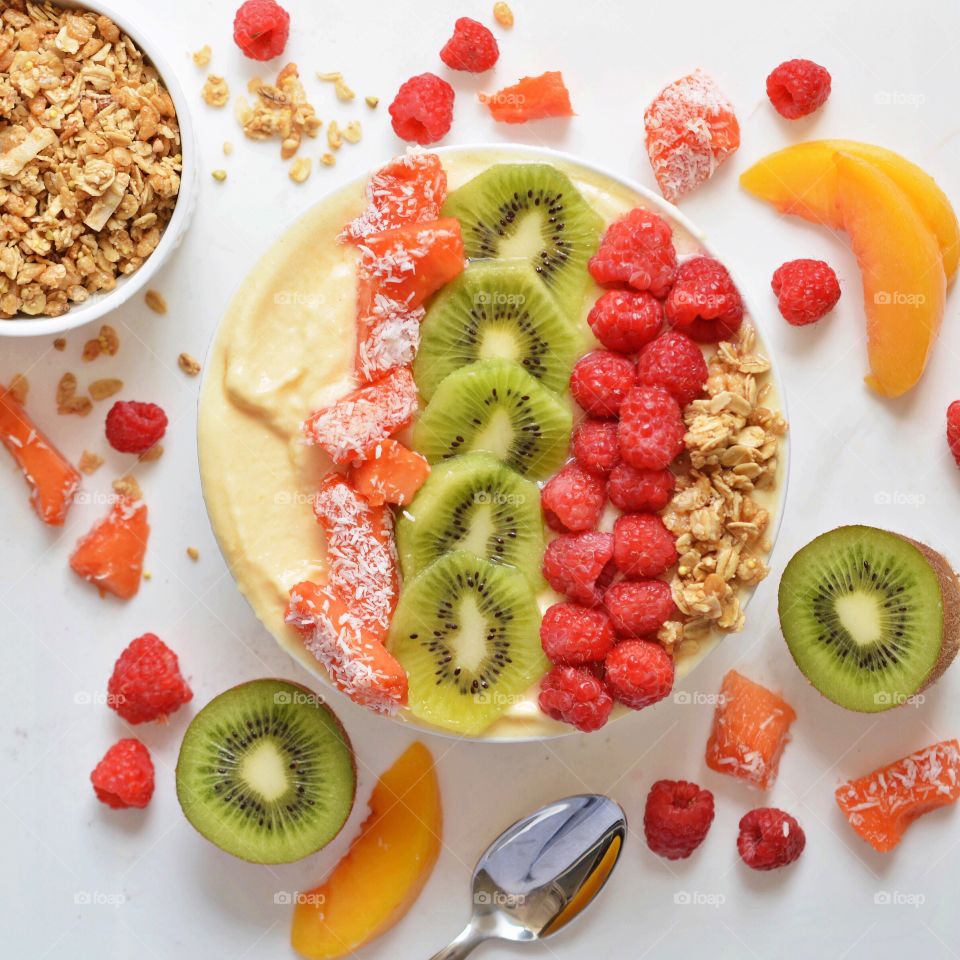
[{"x": 82, "y": 881}]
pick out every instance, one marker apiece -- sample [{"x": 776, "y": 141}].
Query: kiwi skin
[
  {"x": 338, "y": 725},
  {"x": 950, "y": 598}
]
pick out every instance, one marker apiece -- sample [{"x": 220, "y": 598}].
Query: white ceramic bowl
[
  {"x": 100, "y": 304},
  {"x": 524, "y": 153}
]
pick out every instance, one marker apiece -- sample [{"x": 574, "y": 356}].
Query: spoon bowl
[{"x": 542, "y": 872}]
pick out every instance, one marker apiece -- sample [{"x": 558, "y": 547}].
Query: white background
[{"x": 156, "y": 889}]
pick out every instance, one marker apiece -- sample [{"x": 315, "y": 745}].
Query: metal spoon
[{"x": 542, "y": 872}]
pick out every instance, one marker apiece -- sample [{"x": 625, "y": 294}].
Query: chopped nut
[
  {"x": 328, "y": 159},
  {"x": 503, "y": 14},
  {"x": 202, "y": 57},
  {"x": 156, "y": 301},
  {"x": 372, "y": 102},
  {"x": 90, "y": 462},
  {"x": 219, "y": 175},
  {"x": 352, "y": 132},
  {"x": 91, "y": 350},
  {"x": 60, "y": 344},
  {"x": 101, "y": 389},
  {"x": 188, "y": 364},
  {"x": 215, "y": 91},
  {"x": 109, "y": 341},
  {"x": 127, "y": 486},
  {"x": 334, "y": 140},
  {"x": 19, "y": 387},
  {"x": 227, "y": 148},
  {"x": 300, "y": 169},
  {"x": 154, "y": 453},
  {"x": 193, "y": 553}
]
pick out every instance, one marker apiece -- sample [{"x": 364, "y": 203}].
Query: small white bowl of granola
[{"x": 97, "y": 164}]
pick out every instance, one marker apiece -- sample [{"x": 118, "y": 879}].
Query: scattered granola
[
  {"x": 300, "y": 169},
  {"x": 372, "y": 102},
  {"x": 90, "y": 462},
  {"x": 107, "y": 387},
  {"x": 67, "y": 399},
  {"x": 202, "y": 57},
  {"x": 503, "y": 14},
  {"x": 188, "y": 364},
  {"x": 152, "y": 454},
  {"x": 109, "y": 341},
  {"x": 733, "y": 443},
  {"x": 127, "y": 486},
  {"x": 193, "y": 553},
  {"x": 215, "y": 91},
  {"x": 280, "y": 111},
  {"x": 328, "y": 159},
  {"x": 60, "y": 344},
  {"x": 219, "y": 175},
  {"x": 156, "y": 301},
  {"x": 334, "y": 140},
  {"x": 91, "y": 350},
  {"x": 90, "y": 157},
  {"x": 227, "y": 148},
  {"x": 340, "y": 87},
  {"x": 19, "y": 388},
  {"x": 352, "y": 132}
]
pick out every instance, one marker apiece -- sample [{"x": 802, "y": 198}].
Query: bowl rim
[
  {"x": 100, "y": 304},
  {"x": 654, "y": 200}
]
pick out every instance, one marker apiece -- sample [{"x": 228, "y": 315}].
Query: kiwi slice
[
  {"x": 495, "y": 405},
  {"x": 473, "y": 503},
  {"x": 467, "y": 633},
  {"x": 266, "y": 772},
  {"x": 534, "y": 211},
  {"x": 871, "y": 618},
  {"x": 496, "y": 310}
]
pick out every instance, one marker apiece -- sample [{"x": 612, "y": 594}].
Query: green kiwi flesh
[
  {"x": 870, "y": 617},
  {"x": 496, "y": 309},
  {"x": 474, "y": 503},
  {"x": 266, "y": 772},
  {"x": 530, "y": 210},
  {"x": 467, "y": 633},
  {"x": 495, "y": 406}
]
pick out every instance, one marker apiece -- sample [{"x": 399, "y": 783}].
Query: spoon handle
[{"x": 462, "y": 946}]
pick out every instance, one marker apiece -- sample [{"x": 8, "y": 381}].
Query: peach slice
[
  {"x": 802, "y": 180},
  {"x": 904, "y": 285},
  {"x": 385, "y": 869}
]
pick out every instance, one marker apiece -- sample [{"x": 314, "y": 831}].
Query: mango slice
[
  {"x": 385, "y": 869},
  {"x": 801, "y": 180}
]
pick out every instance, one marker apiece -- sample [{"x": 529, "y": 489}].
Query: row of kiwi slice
[{"x": 497, "y": 347}]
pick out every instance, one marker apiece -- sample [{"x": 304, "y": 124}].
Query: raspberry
[
  {"x": 146, "y": 682},
  {"x": 632, "y": 489},
  {"x": 573, "y": 499},
  {"x": 625, "y": 320},
  {"x": 953, "y": 429},
  {"x": 574, "y": 695},
  {"x": 651, "y": 429},
  {"x": 572, "y": 635},
  {"x": 673, "y": 361},
  {"x": 124, "y": 777},
  {"x": 595, "y": 445},
  {"x": 134, "y": 427},
  {"x": 769, "y": 839},
  {"x": 677, "y": 817},
  {"x": 704, "y": 303},
  {"x": 638, "y": 673},
  {"x": 472, "y": 47},
  {"x": 798, "y": 87},
  {"x": 639, "y": 608},
  {"x": 600, "y": 381},
  {"x": 637, "y": 250},
  {"x": 261, "y": 28},
  {"x": 642, "y": 546},
  {"x": 806, "y": 290},
  {"x": 422, "y": 110},
  {"x": 576, "y": 564}
]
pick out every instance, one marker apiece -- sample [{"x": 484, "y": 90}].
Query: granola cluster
[
  {"x": 733, "y": 443},
  {"x": 90, "y": 157},
  {"x": 280, "y": 110}
]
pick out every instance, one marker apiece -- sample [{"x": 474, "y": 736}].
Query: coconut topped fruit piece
[{"x": 871, "y": 617}]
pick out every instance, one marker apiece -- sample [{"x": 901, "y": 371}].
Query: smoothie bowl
[{"x": 491, "y": 444}]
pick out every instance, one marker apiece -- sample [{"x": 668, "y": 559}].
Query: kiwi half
[
  {"x": 871, "y": 617},
  {"x": 495, "y": 310},
  {"x": 496, "y": 406},
  {"x": 530, "y": 210},
  {"x": 473, "y": 503},
  {"x": 266, "y": 772},
  {"x": 467, "y": 633}
]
